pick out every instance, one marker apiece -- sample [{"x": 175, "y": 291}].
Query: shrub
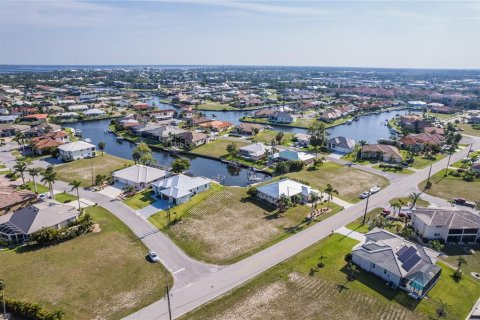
[
  {"x": 32, "y": 310},
  {"x": 67, "y": 201},
  {"x": 348, "y": 257}
]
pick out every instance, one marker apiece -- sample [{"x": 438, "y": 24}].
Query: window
[
  {"x": 455, "y": 231},
  {"x": 385, "y": 271},
  {"x": 373, "y": 265},
  {"x": 436, "y": 235}
]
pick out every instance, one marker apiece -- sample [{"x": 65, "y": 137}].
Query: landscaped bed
[
  {"x": 100, "y": 275},
  {"x": 348, "y": 181},
  {"x": 224, "y": 225},
  {"x": 290, "y": 291},
  {"x": 84, "y": 169}
]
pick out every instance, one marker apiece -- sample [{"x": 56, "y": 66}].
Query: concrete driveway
[{"x": 113, "y": 191}]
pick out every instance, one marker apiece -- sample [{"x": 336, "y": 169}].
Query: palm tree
[
  {"x": 21, "y": 167},
  {"x": 414, "y": 196},
  {"x": 329, "y": 190},
  {"x": 20, "y": 139},
  {"x": 101, "y": 146},
  {"x": 50, "y": 176},
  {"x": 283, "y": 202},
  {"x": 460, "y": 262},
  {"x": 314, "y": 199},
  {"x": 442, "y": 308},
  {"x": 75, "y": 184},
  {"x": 2, "y": 287},
  {"x": 34, "y": 172},
  {"x": 395, "y": 205}
]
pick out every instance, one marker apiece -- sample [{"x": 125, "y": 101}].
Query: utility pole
[
  {"x": 366, "y": 208},
  {"x": 448, "y": 164},
  {"x": 168, "y": 302},
  {"x": 91, "y": 169},
  {"x": 469, "y": 150},
  {"x": 429, "y": 173}
]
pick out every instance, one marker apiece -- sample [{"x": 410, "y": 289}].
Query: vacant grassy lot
[
  {"x": 467, "y": 129},
  {"x": 452, "y": 187},
  {"x": 420, "y": 162},
  {"x": 217, "y": 148},
  {"x": 420, "y": 202},
  {"x": 97, "y": 276},
  {"x": 141, "y": 199},
  {"x": 268, "y": 135},
  {"x": 81, "y": 170},
  {"x": 348, "y": 181},
  {"x": 364, "y": 228},
  {"x": 472, "y": 257},
  {"x": 64, "y": 197},
  {"x": 226, "y": 225},
  {"x": 287, "y": 291},
  {"x": 40, "y": 187}
]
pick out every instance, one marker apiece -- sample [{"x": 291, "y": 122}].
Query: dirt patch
[{"x": 95, "y": 228}]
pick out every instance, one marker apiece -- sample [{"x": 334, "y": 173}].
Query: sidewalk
[{"x": 351, "y": 234}]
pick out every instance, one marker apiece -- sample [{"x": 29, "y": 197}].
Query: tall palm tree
[
  {"x": 75, "y": 184},
  {"x": 395, "y": 205},
  {"x": 34, "y": 172},
  {"x": 21, "y": 167},
  {"x": 330, "y": 191},
  {"x": 460, "y": 262},
  {"x": 414, "y": 196},
  {"x": 50, "y": 176},
  {"x": 20, "y": 139},
  {"x": 314, "y": 198}
]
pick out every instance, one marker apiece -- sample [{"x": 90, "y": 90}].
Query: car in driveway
[
  {"x": 43, "y": 196},
  {"x": 153, "y": 256},
  {"x": 374, "y": 189},
  {"x": 364, "y": 195}
]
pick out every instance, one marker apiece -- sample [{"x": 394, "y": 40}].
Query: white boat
[
  {"x": 78, "y": 132},
  {"x": 87, "y": 140}
]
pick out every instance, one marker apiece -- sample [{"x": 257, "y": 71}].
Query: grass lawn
[
  {"x": 440, "y": 116},
  {"x": 299, "y": 122},
  {"x": 352, "y": 157},
  {"x": 420, "y": 202},
  {"x": 214, "y": 106},
  {"x": 452, "y": 187},
  {"x": 348, "y": 181},
  {"x": 40, "y": 187},
  {"x": 101, "y": 275},
  {"x": 420, "y": 162},
  {"x": 287, "y": 291},
  {"x": 467, "y": 129},
  {"x": 217, "y": 148},
  {"x": 364, "y": 228},
  {"x": 65, "y": 197},
  {"x": 268, "y": 135},
  {"x": 81, "y": 169},
  {"x": 393, "y": 170},
  {"x": 141, "y": 199},
  {"x": 472, "y": 257},
  {"x": 224, "y": 225}
]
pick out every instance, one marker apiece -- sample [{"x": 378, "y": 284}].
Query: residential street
[{"x": 197, "y": 283}]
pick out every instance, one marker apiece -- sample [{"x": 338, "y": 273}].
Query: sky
[{"x": 398, "y": 34}]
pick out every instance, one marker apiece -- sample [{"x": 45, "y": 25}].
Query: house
[
  {"x": 36, "y": 117},
  {"x": 451, "y": 225},
  {"x": 164, "y": 134},
  {"x": 189, "y": 138},
  {"x": 41, "y": 129},
  {"x": 280, "y": 117},
  {"x": 141, "y": 106},
  {"x": 163, "y": 114},
  {"x": 264, "y": 113},
  {"x": 302, "y": 139},
  {"x": 139, "y": 176},
  {"x": 248, "y": 128},
  {"x": 76, "y": 150},
  {"x": 9, "y": 129},
  {"x": 49, "y": 141},
  {"x": 474, "y": 120},
  {"x": 17, "y": 226},
  {"x": 255, "y": 151},
  {"x": 180, "y": 188},
  {"x": 291, "y": 155},
  {"x": 272, "y": 192},
  {"x": 94, "y": 113},
  {"x": 434, "y": 130},
  {"x": 216, "y": 125},
  {"x": 78, "y": 107},
  {"x": 8, "y": 119},
  {"x": 414, "y": 122},
  {"x": 381, "y": 152},
  {"x": 12, "y": 198},
  {"x": 419, "y": 141},
  {"x": 341, "y": 145},
  {"x": 401, "y": 263}
]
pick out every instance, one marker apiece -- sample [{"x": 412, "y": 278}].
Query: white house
[
  {"x": 280, "y": 117},
  {"x": 302, "y": 139},
  {"x": 78, "y": 107},
  {"x": 255, "y": 151},
  {"x": 180, "y": 188},
  {"x": 17, "y": 226},
  {"x": 139, "y": 176},
  {"x": 291, "y": 155},
  {"x": 448, "y": 224},
  {"x": 401, "y": 263},
  {"x": 272, "y": 192},
  {"x": 76, "y": 150},
  {"x": 341, "y": 144},
  {"x": 94, "y": 112}
]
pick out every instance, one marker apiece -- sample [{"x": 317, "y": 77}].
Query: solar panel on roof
[
  {"x": 411, "y": 262},
  {"x": 407, "y": 254},
  {"x": 402, "y": 250}
]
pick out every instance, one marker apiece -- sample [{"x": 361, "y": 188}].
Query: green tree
[
  {"x": 49, "y": 176},
  {"x": 2, "y": 288},
  {"x": 414, "y": 196},
  {"x": 21, "y": 167},
  {"x": 460, "y": 262},
  {"x": 436, "y": 245},
  {"x": 144, "y": 153},
  {"x": 180, "y": 165},
  {"x": 279, "y": 137},
  {"x": 232, "y": 150},
  {"x": 75, "y": 184},
  {"x": 34, "y": 172},
  {"x": 329, "y": 190},
  {"x": 317, "y": 134},
  {"x": 101, "y": 146},
  {"x": 283, "y": 202},
  {"x": 252, "y": 192}
]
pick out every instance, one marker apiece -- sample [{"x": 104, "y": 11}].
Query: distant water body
[{"x": 17, "y": 68}]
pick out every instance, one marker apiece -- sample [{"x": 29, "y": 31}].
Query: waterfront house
[
  {"x": 41, "y": 129},
  {"x": 401, "y": 263},
  {"x": 141, "y": 106},
  {"x": 180, "y": 188},
  {"x": 139, "y": 176},
  {"x": 48, "y": 142},
  {"x": 272, "y": 192},
  {"x": 9, "y": 129},
  {"x": 381, "y": 152},
  {"x": 78, "y": 107},
  {"x": 164, "y": 134},
  {"x": 280, "y": 117},
  {"x": 291, "y": 155},
  {"x": 163, "y": 114},
  {"x": 94, "y": 113},
  {"x": 248, "y": 128},
  {"x": 264, "y": 113},
  {"x": 38, "y": 117},
  {"x": 414, "y": 122},
  {"x": 12, "y": 198},
  {"x": 216, "y": 125},
  {"x": 255, "y": 151},
  {"x": 451, "y": 225},
  {"x": 191, "y": 138},
  {"x": 76, "y": 150},
  {"x": 17, "y": 226},
  {"x": 420, "y": 141},
  {"x": 341, "y": 145},
  {"x": 302, "y": 139}
]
